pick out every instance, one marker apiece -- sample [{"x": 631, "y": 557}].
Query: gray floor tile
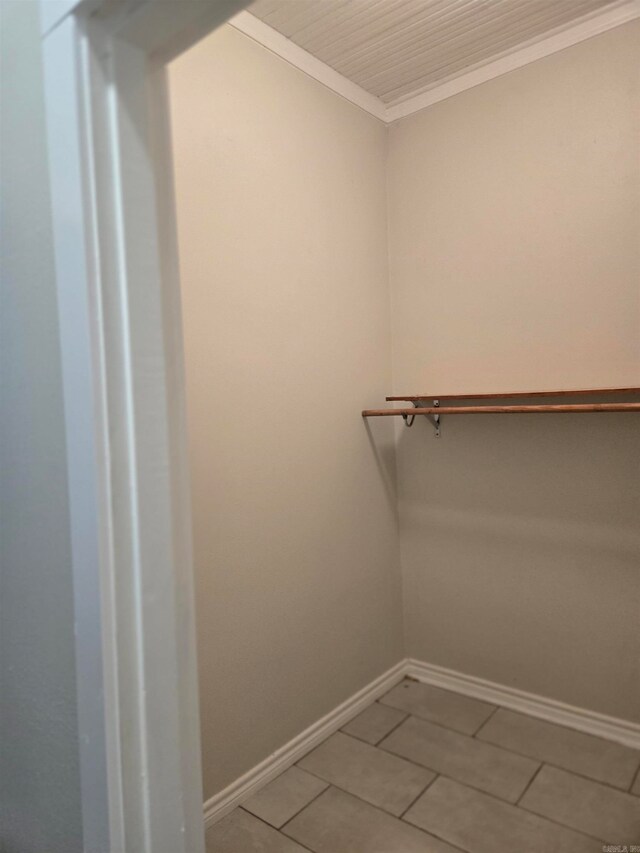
[
  {"x": 635, "y": 788},
  {"x": 590, "y": 756},
  {"x": 240, "y": 832},
  {"x": 339, "y": 823},
  {"x": 587, "y": 806},
  {"x": 290, "y": 792},
  {"x": 375, "y": 776},
  {"x": 466, "y": 759},
  {"x": 374, "y": 723},
  {"x": 477, "y": 822},
  {"x": 440, "y": 706}
]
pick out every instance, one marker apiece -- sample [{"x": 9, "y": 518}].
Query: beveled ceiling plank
[
  {"x": 421, "y": 44},
  {"x": 401, "y": 50},
  {"x": 326, "y": 29},
  {"x": 298, "y": 14},
  {"x": 380, "y": 43},
  {"x": 465, "y": 47},
  {"x": 476, "y": 29},
  {"x": 438, "y": 70},
  {"x": 413, "y": 30},
  {"x": 367, "y": 27},
  {"x": 260, "y": 8}
]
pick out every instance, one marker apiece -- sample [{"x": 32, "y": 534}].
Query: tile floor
[{"x": 424, "y": 770}]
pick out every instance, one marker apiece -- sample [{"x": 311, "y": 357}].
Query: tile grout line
[
  {"x": 358, "y": 797},
  {"x": 484, "y": 722},
  {"x": 368, "y": 742},
  {"x": 425, "y": 832},
  {"x": 457, "y": 692},
  {"x": 557, "y": 823},
  {"x": 434, "y": 723},
  {"x": 415, "y": 800},
  {"x": 306, "y": 805},
  {"x": 480, "y": 791},
  {"x": 496, "y": 708},
  {"x": 397, "y": 726},
  {"x": 385, "y": 752},
  {"x": 470, "y": 737},
  {"x": 402, "y": 818},
  {"x": 505, "y": 749},
  {"x": 275, "y": 828},
  {"x": 382, "y": 748},
  {"x": 431, "y": 834},
  {"x": 529, "y": 783},
  {"x": 513, "y": 805},
  {"x": 576, "y": 773},
  {"x": 458, "y": 782},
  {"x": 635, "y": 779},
  {"x": 474, "y": 787},
  {"x": 561, "y": 766}
]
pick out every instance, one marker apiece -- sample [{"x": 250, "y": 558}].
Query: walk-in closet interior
[{"x": 418, "y": 618}]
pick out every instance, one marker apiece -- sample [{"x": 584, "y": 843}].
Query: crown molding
[
  {"x": 301, "y": 59},
  {"x": 584, "y": 28}
]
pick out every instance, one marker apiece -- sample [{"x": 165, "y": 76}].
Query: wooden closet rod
[
  {"x": 517, "y": 395},
  {"x": 500, "y": 410}
]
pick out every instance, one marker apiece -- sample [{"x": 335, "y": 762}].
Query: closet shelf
[
  {"x": 503, "y": 410},
  {"x": 518, "y": 395},
  {"x": 434, "y": 410}
]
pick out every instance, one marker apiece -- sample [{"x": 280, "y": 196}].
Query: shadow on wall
[
  {"x": 521, "y": 552},
  {"x": 384, "y": 453}
]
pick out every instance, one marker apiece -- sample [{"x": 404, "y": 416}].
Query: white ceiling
[{"x": 396, "y": 50}]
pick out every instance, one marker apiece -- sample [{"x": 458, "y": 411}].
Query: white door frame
[{"x": 121, "y": 343}]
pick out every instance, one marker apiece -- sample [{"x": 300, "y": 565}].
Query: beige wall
[
  {"x": 514, "y": 215},
  {"x": 282, "y": 232},
  {"x": 514, "y": 225}
]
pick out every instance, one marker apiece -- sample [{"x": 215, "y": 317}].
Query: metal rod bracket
[{"x": 435, "y": 419}]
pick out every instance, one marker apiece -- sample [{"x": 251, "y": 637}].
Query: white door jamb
[{"x": 119, "y": 306}]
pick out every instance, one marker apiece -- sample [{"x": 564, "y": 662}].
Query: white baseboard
[
  {"x": 600, "y": 725},
  {"x": 231, "y": 796}
]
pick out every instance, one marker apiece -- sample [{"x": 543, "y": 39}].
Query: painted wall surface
[
  {"x": 39, "y": 776},
  {"x": 282, "y": 234},
  {"x": 514, "y": 216}
]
